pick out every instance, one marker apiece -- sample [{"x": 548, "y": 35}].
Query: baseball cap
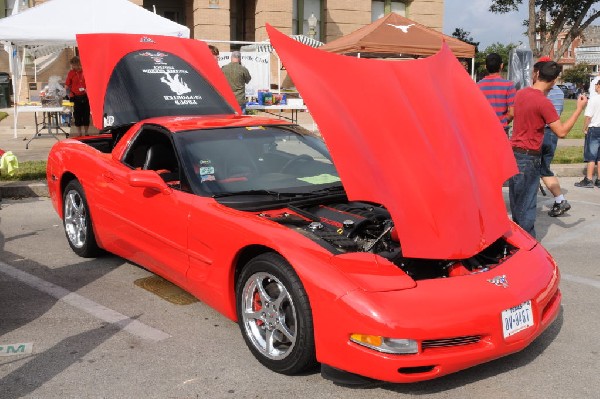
[{"x": 544, "y": 58}]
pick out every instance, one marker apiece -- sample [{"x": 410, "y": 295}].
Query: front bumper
[{"x": 457, "y": 321}]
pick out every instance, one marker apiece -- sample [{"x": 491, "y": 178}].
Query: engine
[{"x": 363, "y": 227}]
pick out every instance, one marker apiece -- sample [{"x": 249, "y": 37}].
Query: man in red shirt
[
  {"x": 533, "y": 111},
  {"x": 75, "y": 84}
]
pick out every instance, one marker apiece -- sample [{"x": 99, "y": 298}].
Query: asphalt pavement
[{"x": 83, "y": 328}]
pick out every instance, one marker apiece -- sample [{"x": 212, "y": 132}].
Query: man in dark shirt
[
  {"x": 533, "y": 111},
  {"x": 237, "y": 75}
]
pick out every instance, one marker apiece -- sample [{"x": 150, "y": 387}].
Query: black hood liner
[{"x": 150, "y": 83}]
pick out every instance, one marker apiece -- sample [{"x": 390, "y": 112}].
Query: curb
[
  {"x": 569, "y": 170},
  {"x": 23, "y": 189},
  {"x": 26, "y": 189}
]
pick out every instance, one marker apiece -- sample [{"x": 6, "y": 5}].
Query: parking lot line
[
  {"x": 101, "y": 312},
  {"x": 581, "y": 280}
]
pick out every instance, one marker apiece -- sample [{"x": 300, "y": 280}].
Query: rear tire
[
  {"x": 78, "y": 222},
  {"x": 274, "y": 315}
]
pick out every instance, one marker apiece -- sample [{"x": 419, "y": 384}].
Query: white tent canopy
[
  {"x": 58, "y": 21},
  {"x": 55, "y": 24}
]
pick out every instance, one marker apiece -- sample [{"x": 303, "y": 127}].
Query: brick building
[
  {"x": 245, "y": 20},
  {"x": 589, "y": 51}
]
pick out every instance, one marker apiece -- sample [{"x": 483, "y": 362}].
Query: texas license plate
[{"x": 517, "y": 319}]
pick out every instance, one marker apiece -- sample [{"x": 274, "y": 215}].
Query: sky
[{"x": 485, "y": 27}]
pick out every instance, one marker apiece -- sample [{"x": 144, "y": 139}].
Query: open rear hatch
[{"x": 132, "y": 77}]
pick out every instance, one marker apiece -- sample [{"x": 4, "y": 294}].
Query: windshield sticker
[
  {"x": 207, "y": 178},
  {"x": 320, "y": 179},
  {"x": 207, "y": 170}
]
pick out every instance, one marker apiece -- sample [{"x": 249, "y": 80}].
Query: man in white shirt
[{"x": 591, "y": 128}]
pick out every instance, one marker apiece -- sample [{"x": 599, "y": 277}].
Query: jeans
[
  {"x": 522, "y": 191},
  {"x": 592, "y": 144},
  {"x": 548, "y": 149}
]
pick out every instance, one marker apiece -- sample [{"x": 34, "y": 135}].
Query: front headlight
[{"x": 401, "y": 346}]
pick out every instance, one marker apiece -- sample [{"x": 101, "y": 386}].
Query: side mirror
[{"x": 148, "y": 179}]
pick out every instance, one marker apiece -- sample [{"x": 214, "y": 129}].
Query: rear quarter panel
[{"x": 74, "y": 159}]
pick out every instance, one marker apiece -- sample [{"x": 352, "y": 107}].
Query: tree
[
  {"x": 501, "y": 49},
  {"x": 579, "y": 74},
  {"x": 548, "y": 18},
  {"x": 465, "y": 36}
]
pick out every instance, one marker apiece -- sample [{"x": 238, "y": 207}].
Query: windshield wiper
[{"x": 328, "y": 190}]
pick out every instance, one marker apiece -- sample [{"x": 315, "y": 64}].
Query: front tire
[
  {"x": 77, "y": 221},
  {"x": 274, "y": 315}
]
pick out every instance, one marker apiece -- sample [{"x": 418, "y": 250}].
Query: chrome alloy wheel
[
  {"x": 269, "y": 316},
  {"x": 75, "y": 219}
]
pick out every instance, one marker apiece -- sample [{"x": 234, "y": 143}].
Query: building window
[
  {"x": 170, "y": 9},
  {"x": 381, "y": 8},
  {"x": 301, "y": 12}
]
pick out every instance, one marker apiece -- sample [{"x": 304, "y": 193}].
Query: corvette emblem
[{"x": 500, "y": 281}]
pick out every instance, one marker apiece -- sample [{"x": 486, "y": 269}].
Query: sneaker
[
  {"x": 585, "y": 182},
  {"x": 597, "y": 183},
  {"x": 559, "y": 208}
]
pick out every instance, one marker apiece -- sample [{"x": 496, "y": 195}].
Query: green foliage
[
  {"x": 31, "y": 170},
  {"x": 550, "y": 18},
  {"x": 499, "y": 48},
  {"x": 564, "y": 155},
  {"x": 579, "y": 74},
  {"x": 465, "y": 36},
  {"x": 569, "y": 108}
]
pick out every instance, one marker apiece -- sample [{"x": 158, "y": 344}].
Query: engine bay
[{"x": 345, "y": 227}]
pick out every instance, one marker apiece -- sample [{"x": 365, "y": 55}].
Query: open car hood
[
  {"x": 131, "y": 77},
  {"x": 416, "y": 136}
]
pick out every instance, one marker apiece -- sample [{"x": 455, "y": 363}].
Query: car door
[{"x": 149, "y": 226}]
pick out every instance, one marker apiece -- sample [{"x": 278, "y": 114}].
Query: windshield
[{"x": 256, "y": 160}]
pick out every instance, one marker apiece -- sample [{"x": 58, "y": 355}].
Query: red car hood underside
[
  {"x": 100, "y": 53},
  {"x": 416, "y": 136}
]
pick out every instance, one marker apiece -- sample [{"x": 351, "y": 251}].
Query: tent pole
[
  {"x": 12, "y": 51},
  {"x": 18, "y": 93},
  {"x": 473, "y": 69}
]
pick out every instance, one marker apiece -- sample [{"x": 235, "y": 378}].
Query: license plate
[{"x": 517, "y": 319}]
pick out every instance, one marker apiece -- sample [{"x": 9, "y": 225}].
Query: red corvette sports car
[{"x": 380, "y": 248}]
